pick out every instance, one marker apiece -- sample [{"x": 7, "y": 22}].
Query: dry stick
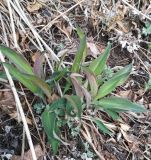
[
  {"x": 18, "y": 104},
  {"x": 142, "y": 62},
  {"x": 92, "y": 145},
  {"x": 29, "y": 107},
  {"x": 61, "y": 14},
  {"x": 12, "y": 24},
  {"x": 141, "y": 49},
  {"x": 14, "y": 36},
  {"x": 38, "y": 38},
  {"x": 23, "y": 145},
  {"x": 139, "y": 12}
]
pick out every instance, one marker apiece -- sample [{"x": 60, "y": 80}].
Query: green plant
[
  {"x": 148, "y": 84},
  {"x": 55, "y": 114},
  {"x": 83, "y": 86},
  {"x": 147, "y": 29}
]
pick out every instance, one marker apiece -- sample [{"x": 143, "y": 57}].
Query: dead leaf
[
  {"x": 14, "y": 115},
  {"x": 43, "y": 1},
  {"x": 28, "y": 155},
  {"x": 7, "y": 98},
  {"x": 128, "y": 94},
  {"x": 124, "y": 127},
  {"x": 66, "y": 30},
  {"x": 80, "y": 90},
  {"x": 128, "y": 138},
  {"x": 77, "y": 85},
  {"x": 8, "y": 105},
  {"x": 62, "y": 52},
  {"x": 34, "y": 7},
  {"x": 122, "y": 26},
  {"x": 149, "y": 106},
  {"x": 92, "y": 82},
  {"x": 38, "y": 64},
  {"x": 94, "y": 50},
  {"x": 53, "y": 98}
]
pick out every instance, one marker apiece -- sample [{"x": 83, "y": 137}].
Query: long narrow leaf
[
  {"x": 17, "y": 59},
  {"x": 81, "y": 35},
  {"x": 80, "y": 32},
  {"x": 102, "y": 127},
  {"x": 97, "y": 66},
  {"x": 79, "y": 55},
  {"x": 124, "y": 71},
  {"x": 49, "y": 123},
  {"x": 112, "y": 113},
  {"x": 120, "y": 104},
  {"x": 19, "y": 76},
  {"x": 33, "y": 83},
  {"x": 117, "y": 79},
  {"x": 40, "y": 83}
]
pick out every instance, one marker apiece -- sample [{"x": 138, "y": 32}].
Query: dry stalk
[
  {"x": 61, "y": 15},
  {"x": 136, "y": 10},
  {"x": 89, "y": 140}
]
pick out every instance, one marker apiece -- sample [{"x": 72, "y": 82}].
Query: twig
[
  {"x": 139, "y": 12},
  {"x": 18, "y": 104},
  {"x": 7, "y": 43},
  {"x": 30, "y": 110},
  {"x": 23, "y": 145},
  {"x": 88, "y": 139},
  {"x": 61, "y": 14},
  {"x": 142, "y": 62},
  {"x": 38, "y": 38},
  {"x": 12, "y": 24}
]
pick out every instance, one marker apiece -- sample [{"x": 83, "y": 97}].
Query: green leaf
[
  {"x": 148, "y": 84},
  {"x": 38, "y": 107},
  {"x": 58, "y": 75},
  {"x": 33, "y": 83},
  {"x": 97, "y": 66},
  {"x": 101, "y": 126},
  {"x": 81, "y": 35},
  {"x": 40, "y": 83},
  {"x": 3, "y": 75},
  {"x": 70, "y": 110},
  {"x": 124, "y": 71},
  {"x": 79, "y": 55},
  {"x": 75, "y": 102},
  {"x": 80, "y": 32},
  {"x": 147, "y": 29},
  {"x": 54, "y": 144},
  {"x": 49, "y": 123},
  {"x": 17, "y": 59},
  {"x": 59, "y": 103},
  {"x": 117, "y": 80},
  {"x": 119, "y": 104},
  {"x": 23, "y": 79},
  {"x": 67, "y": 86},
  {"x": 113, "y": 114}
]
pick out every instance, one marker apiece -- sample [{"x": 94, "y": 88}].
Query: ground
[{"x": 48, "y": 27}]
